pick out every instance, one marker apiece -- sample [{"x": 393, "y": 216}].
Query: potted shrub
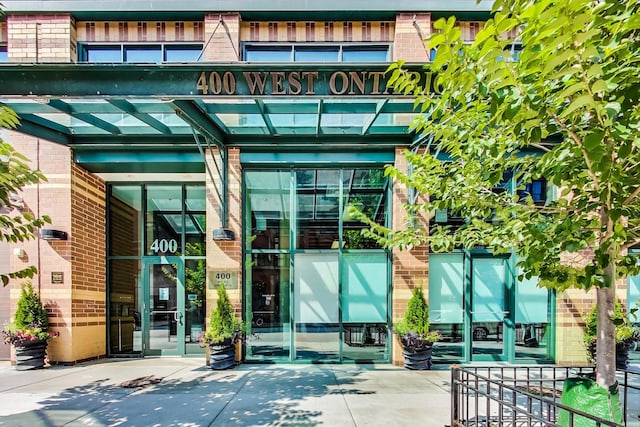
[
  {"x": 626, "y": 335},
  {"x": 224, "y": 330},
  {"x": 29, "y": 331},
  {"x": 413, "y": 331}
]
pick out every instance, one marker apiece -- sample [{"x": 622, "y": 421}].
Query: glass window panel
[
  {"x": 365, "y": 55},
  {"x": 182, "y": 53},
  {"x": 103, "y": 53},
  {"x": 328, "y": 54},
  {"x": 269, "y": 306},
  {"x": 365, "y": 342},
  {"x": 365, "y": 190},
  {"x": 267, "y": 198},
  {"x": 164, "y": 220},
  {"x": 531, "y": 302},
  {"x": 445, "y": 288},
  {"x": 634, "y": 292},
  {"x": 267, "y": 54},
  {"x": 151, "y": 54},
  {"x": 125, "y": 307},
  {"x": 4, "y": 56},
  {"x": 195, "y": 271},
  {"x": 317, "y": 202},
  {"x": 316, "y": 288},
  {"x": 364, "y": 287},
  {"x": 488, "y": 290},
  {"x": 125, "y": 211}
]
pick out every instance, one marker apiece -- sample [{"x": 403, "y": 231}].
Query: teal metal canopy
[{"x": 102, "y": 106}]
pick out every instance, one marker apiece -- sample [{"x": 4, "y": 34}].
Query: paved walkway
[{"x": 189, "y": 394}]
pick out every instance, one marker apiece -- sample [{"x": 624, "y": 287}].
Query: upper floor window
[
  {"x": 140, "y": 53},
  {"x": 316, "y": 53}
]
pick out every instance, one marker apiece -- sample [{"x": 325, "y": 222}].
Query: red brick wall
[
  {"x": 410, "y": 268},
  {"x": 222, "y": 39},
  {"x": 409, "y": 38},
  {"x": 41, "y": 38}
]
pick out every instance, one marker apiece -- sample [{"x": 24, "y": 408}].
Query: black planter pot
[
  {"x": 222, "y": 355},
  {"x": 622, "y": 355},
  {"x": 31, "y": 355},
  {"x": 417, "y": 359}
]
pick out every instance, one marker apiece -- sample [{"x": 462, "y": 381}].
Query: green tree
[
  {"x": 566, "y": 109},
  {"x": 223, "y": 325},
  {"x": 15, "y": 174}
]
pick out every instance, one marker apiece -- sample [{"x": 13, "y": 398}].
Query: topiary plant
[
  {"x": 29, "y": 310},
  {"x": 413, "y": 329},
  {"x": 224, "y": 325},
  {"x": 30, "y": 322}
]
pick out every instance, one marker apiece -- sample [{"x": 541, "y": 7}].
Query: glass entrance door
[
  {"x": 488, "y": 309},
  {"x": 317, "y": 332},
  {"x": 164, "y": 314}
]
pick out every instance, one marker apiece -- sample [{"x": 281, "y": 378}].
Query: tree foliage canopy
[{"x": 564, "y": 108}]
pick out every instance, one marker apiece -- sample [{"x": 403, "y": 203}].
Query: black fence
[{"x": 522, "y": 396}]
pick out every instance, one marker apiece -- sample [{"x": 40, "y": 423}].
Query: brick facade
[
  {"x": 41, "y": 38},
  {"x": 411, "y": 32},
  {"x": 225, "y": 255},
  {"x": 222, "y": 37}
]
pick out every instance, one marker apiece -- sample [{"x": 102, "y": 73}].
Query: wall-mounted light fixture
[
  {"x": 18, "y": 252},
  {"x": 50, "y": 234},
  {"x": 223, "y": 234}
]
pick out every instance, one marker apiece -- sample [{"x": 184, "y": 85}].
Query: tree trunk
[{"x": 606, "y": 343}]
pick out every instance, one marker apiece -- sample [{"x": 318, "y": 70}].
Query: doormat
[{"x": 141, "y": 382}]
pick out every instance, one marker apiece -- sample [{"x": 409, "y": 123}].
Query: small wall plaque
[
  {"x": 229, "y": 278},
  {"x": 57, "y": 277}
]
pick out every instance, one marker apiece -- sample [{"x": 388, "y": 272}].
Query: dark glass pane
[
  {"x": 163, "y": 220},
  {"x": 269, "y": 306},
  {"x": 108, "y": 54},
  {"x": 124, "y": 220},
  {"x": 195, "y": 220},
  {"x": 364, "y": 190},
  {"x": 267, "y": 199},
  {"x": 267, "y": 54},
  {"x": 364, "y": 342},
  {"x": 316, "y": 55},
  {"x": 125, "y": 306},
  {"x": 151, "y": 54},
  {"x": 4, "y": 57},
  {"x": 365, "y": 55},
  {"x": 195, "y": 272},
  {"x": 318, "y": 208}
]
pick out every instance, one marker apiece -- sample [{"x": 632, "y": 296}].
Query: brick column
[
  {"x": 222, "y": 37},
  {"x": 410, "y": 268},
  {"x": 225, "y": 255},
  {"x": 41, "y": 38},
  {"x": 75, "y": 201},
  {"x": 408, "y": 42}
]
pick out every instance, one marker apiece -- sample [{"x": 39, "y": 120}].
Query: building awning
[{"x": 139, "y": 117}]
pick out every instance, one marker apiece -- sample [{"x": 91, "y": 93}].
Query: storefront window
[
  {"x": 125, "y": 213},
  {"x": 163, "y": 220},
  {"x": 317, "y": 299},
  {"x": 125, "y": 306}
]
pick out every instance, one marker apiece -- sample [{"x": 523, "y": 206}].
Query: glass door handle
[{"x": 177, "y": 316}]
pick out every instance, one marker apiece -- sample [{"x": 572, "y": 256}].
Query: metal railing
[{"x": 518, "y": 396}]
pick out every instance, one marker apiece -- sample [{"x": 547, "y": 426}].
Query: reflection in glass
[
  {"x": 531, "y": 320},
  {"x": 317, "y": 202},
  {"x": 164, "y": 220},
  {"x": 195, "y": 274},
  {"x": 364, "y": 342},
  {"x": 125, "y": 306},
  {"x": 125, "y": 211},
  {"x": 487, "y": 306},
  {"x": 267, "y": 208},
  {"x": 269, "y": 306},
  {"x": 163, "y": 307},
  {"x": 364, "y": 190}
]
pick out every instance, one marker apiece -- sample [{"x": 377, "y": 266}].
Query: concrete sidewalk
[{"x": 90, "y": 394}]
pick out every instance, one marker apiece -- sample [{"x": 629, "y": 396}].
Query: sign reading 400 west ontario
[{"x": 304, "y": 82}]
